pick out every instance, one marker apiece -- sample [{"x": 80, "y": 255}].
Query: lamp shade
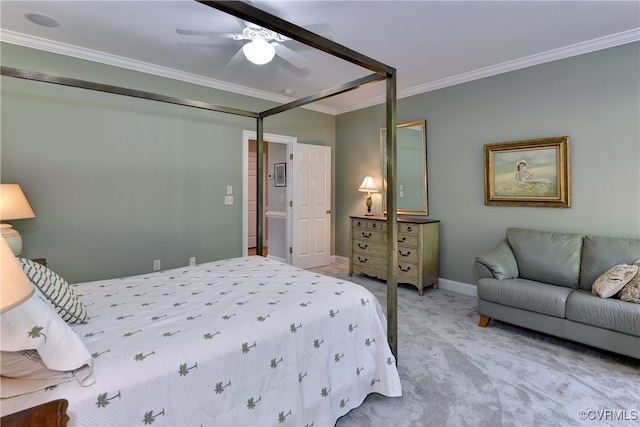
[
  {"x": 259, "y": 51},
  {"x": 368, "y": 185},
  {"x": 13, "y": 203},
  {"x": 15, "y": 286}
]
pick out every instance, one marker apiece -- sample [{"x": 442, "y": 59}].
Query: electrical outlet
[
  {"x": 156, "y": 265},
  {"x": 229, "y": 190},
  {"x": 192, "y": 261},
  {"x": 228, "y": 200}
]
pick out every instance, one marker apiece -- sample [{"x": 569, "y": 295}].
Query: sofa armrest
[{"x": 499, "y": 263}]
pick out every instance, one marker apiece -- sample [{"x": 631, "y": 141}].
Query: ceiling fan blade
[
  {"x": 290, "y": 56},
  {"x": 205, "y": 33},
  {"x": 237, "y": 58}
]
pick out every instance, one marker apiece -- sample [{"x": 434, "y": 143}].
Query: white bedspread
[{"x": 239, "y": 342}]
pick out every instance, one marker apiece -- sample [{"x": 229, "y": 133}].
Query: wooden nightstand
[{"x": 50, "y": 414}]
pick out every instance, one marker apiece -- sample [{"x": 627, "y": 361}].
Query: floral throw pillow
[{"x": 631, "y": 291}]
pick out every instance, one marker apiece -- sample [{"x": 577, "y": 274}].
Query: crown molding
[
  {"x": 144, "y": 67},
  {"x": 606, "y": 42}
]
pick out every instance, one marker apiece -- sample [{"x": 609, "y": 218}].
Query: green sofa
[{"x": 542, "y": 281}]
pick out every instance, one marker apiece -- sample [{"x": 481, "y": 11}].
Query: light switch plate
[{"x": 229, "y": 190}]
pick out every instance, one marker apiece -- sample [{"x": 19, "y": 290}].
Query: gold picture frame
[{"x": 533, "y": 172}]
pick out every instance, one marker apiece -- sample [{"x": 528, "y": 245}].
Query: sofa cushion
[
  {"x": 548, "y": 257},
  {"x": 613, "y": 314},
  {"x": 526, "y": 294},
  {"x": 601, "y": 253}
]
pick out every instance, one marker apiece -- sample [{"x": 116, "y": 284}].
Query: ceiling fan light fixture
[{"x": 259, "y": 51}]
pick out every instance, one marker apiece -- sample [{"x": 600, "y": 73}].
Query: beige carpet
[{"x": 456, "y": 374}]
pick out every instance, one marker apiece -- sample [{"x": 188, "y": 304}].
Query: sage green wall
[
  {"x": 117, "y": 182},
  {"x": 593, "y": 98}
]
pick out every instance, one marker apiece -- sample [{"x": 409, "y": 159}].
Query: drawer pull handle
[
  {"x": 402, "y": 240},
  {"x": 409, "y": 228},
  {"x": 362, "y": 247},
  {"x": 403, "y": 269},
  {"x": 374, "y": 225},
  {"x": 366, "y": 236},
  {"x": 401, "y": 254},
  {"x": 359, "y": 224},
  {"x": 363, "y": 260}
]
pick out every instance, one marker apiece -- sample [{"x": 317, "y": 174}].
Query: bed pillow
[
  {"x": 631, "y": 291},
  {"x": 613, "y": 280},
  {"x": 35, "y": 325},
  {"x": 57, "y": 291}
]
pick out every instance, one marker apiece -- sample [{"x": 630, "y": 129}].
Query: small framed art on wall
[{"x": 280, "y": 174}]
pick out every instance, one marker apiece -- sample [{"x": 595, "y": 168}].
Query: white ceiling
[{"x": 432, "y": 44}]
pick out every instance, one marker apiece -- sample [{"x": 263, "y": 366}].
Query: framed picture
[
  {"x": 280, "y": 174},
  {"x": 534, "y": 172}
]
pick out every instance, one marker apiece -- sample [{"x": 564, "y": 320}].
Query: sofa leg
[{"x": 484, "y": 321}]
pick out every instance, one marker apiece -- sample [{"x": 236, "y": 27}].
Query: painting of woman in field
[{"x": 528, "y": 173}]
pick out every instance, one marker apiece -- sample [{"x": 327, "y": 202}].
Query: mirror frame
[{"x": 424, "y": 209}]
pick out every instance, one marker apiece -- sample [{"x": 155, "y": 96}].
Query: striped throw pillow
[{"x": 57, "y": 291}]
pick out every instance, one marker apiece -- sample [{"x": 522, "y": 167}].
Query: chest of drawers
[{"x": 417, "y": 249}]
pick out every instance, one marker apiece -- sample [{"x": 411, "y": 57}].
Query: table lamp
[
  {"x": 369, "y": 186},
  {"x": 13, "y": 205},
  {"x": 15, "y": 286}
]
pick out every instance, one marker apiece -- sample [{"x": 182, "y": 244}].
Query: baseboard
[
  {"x": 269, "y": 256},
  {"x": 459, "y": 287},
  {"x": 339, "y": 259},
  {"x": 446, "y": 284}
]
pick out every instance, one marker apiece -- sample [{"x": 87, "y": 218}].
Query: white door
[{"x": 311, "y": 205}]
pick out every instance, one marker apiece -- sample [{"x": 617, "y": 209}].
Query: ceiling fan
[{"x": 263, "y": 45}]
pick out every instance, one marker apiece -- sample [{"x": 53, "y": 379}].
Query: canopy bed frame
[{"x": 380, "y": 72}]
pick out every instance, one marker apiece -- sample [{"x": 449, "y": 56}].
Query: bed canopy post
[
  {"x": 248, "y": 12},
  {"x": 259, "y": 183},
  {"x": 392, "y": 216}
]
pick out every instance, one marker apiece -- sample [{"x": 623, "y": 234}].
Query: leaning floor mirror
[{"x": 411, "y": 185}]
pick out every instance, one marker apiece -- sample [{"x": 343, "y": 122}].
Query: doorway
[
  {"x": 297, "y": 200},
  {"x": 275, "y": 216}
]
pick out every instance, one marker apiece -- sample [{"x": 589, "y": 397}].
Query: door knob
[{"x": 328, "y": 210}]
